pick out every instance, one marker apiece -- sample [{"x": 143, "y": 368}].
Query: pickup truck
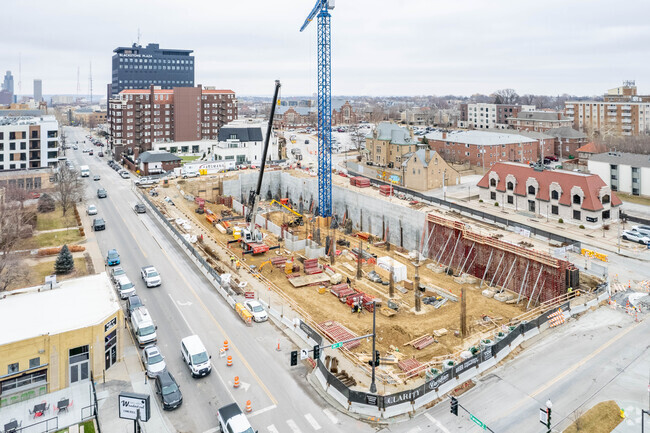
[
  {"x": 232, "y": 419},
  {"x": 145, "y": 181},
  {"x": 150, "y": 276}
]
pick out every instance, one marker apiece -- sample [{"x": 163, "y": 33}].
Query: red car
[{"x": 34, "y": 194}]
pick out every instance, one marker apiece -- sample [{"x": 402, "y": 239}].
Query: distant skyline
[{"x": 379, "y": 48}]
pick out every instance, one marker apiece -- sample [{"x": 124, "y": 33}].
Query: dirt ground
[{"x": 395, "y": 331}]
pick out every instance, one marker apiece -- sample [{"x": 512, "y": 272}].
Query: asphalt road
[{"x": 187, "y": 304}]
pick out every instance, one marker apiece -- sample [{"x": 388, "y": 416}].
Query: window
[
  {"x": 576, "y": 199},
  {"x": 555, "y": 195},
  {"x": 511, "y": 199},
  {"x": 605, "y": 199},
  {"x": 493, "y": 195},
  {"x": 493, "y": 182},
  {"x": 576, "y": 215},
  {"x": 531, "y": 205},
  {"x": 34, "y": 362},
  {"x": 510, "y": 186},
  {"x": 531, "y": 189},
  {"x": 555, "y": 210},
  {"x": 606, "y": 214},
  {"x": 12, "y": 368}
]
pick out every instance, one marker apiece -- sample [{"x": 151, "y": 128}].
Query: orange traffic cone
[
  {"x": 225, "y": 344},
  {"x": 248, "y": 406},
  {"x": 229, "y": 361},
  {"x": 236, "y": 383},
  {"x": 278, "y": 348}
]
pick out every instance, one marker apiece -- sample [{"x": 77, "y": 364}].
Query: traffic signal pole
[{"x": 454, "y": 405}]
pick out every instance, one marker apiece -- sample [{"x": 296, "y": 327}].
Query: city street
[{"x": 187, "y": 304}]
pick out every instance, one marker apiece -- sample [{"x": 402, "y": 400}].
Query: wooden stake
[{"x": 463, "y": 314}]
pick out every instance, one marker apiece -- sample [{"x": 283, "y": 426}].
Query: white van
[
  {"x": 195, "y": 356},
  {"x": 143, "y": 327}
]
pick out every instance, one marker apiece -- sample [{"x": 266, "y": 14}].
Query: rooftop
[
  {"x": 541, "y": 115},
  {"x": 150, "y": 48},
  {"x": 622, "y": 158},
  {"x": 26, "y": 120},
  {"x": 480, "y": 138},
  {"x": 157, "y": 91},
  {"x": 241, "y": 134},
  {"x": 157, "y": 156},
  {"x": 396, "y": 134},
  {"x": 74, "y": 304},
  {"x": 565, "y": 132},
  {"x": 593, "y": 148}
]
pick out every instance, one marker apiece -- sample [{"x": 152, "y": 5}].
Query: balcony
[
  {"x": 627, "y": 127},
  {"x": 611, "y": 107},
  {"x": 626, "y": 114},
  {"x": 626, "y": 120},
  {"x": 627, "y": 107}
]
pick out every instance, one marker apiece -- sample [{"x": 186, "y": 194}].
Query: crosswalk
[{"x": 306, "y": 423}]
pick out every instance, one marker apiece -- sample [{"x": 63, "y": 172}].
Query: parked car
[
  {"x": 644, "y": 230},
  {"x": 96, "y": 177},
  {"x": 132, "y": 303},
  {"x": 144, "y": 330},
  {"x": 139, "y": 208},
  {"x": 116, "y": 272},
  {"x": 91, "y": 209},
  {"x": 635, "y": 236},
  {"x": 154, "y": 362},
  {"x": 150, "y": 276},
  {"x": 98, "y": 224},
  {"x": 101, "y": 193},
  {"x": 112, "y": 258},
  {"x": 125, "y": 287},
  {"x": 124, "y": 174},
  {"x": 146, "y": 181},
  {"x": 255, "y": 308},
  {"x": 90, "y": 152},
  {"x": 168, "y": 390}
]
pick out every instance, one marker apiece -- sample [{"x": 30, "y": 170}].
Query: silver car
[
  {"x": 92, "y": 209},
  {"x": 635, "y": 236},
  {"x": 153, "y": 360}
]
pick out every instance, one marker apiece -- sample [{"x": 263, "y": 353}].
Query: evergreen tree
[
  {"x": 64, "y": 262},
  {"x": 46, "y": 204}
]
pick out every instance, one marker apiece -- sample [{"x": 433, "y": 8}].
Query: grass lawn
[
  {"x": 185, "y": 159},
  {"x": 633, "y": 198},
  {"x": 36, "y": 274},
  {"x": 55, "y": 220},
  {"x": 602, "y": 418},
  {"x": 52, "y": 239},
  {"x": 89, "y": 427}
]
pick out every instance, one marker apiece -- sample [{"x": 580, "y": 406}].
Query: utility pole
[{"x": 463, "y": 314}]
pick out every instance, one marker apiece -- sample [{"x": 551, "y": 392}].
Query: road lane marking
[
  {"x": 415, "y": 429},
  {"x": 331, "y": 416},
  {"x": 266, "y": 409},
  {"x": 310, "y": 418},
  {"x": 212, "y": 430},
  {"x": 223, "y": 331},
  {"x": 181, "y": 313},
  {"x": 436, "y": 422},
  {"x": 127, "y": 227},
  {"x": 272, "y": 429},
  {"x": 293, "y": 426}
]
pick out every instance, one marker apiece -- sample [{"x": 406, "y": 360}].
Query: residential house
[
  {"x": 157, "y": 161},
  {"x": 567, "y": 141},
  {"x": 425, "y": 169},
  {"x": 389, "y": 144},
  {"x": 585, "y": 152}
]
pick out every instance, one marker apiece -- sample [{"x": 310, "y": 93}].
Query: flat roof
[
  {"x": 622, "y": 158},
  {"x": 74, "y": 304},
  {"x": 479, "y": 138}
]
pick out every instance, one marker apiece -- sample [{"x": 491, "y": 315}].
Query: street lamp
[{"x": 549, "y": 405}]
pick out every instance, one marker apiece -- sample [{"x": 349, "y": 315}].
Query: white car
[
  {"x": 190, "y": 174},
  {"x": 150, "y": 276},
  {"x": 256, "y": 309},
  {"x": 153, "y": 360},
  {"x": 92, "y": 210},
  {"x": 124, "y": 174},
  {"x": 124, "y": 286},
  {"x": 644, "y": 230},
  {"x": 635, "y": 236}
]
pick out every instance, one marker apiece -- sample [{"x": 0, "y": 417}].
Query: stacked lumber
[
  {"x": 278, "y": 262},
  {"x": 412, "y": 367},
  {"x": 360, "y": 181},
  {"x": 312, "y": 267}
]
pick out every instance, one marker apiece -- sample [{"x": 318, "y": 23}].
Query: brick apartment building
[
  {"x": 483, "y": 148},
  {"x": 28, "y": 142},
  {"x": 539, "y": 121},
  {"x": 621, "y": 112},
  {"x": 295, "y": 116},
  {"x": 567, "y": 141},
  {"x": 486, "y": 116},
  {"x": 140, "y": 117}
]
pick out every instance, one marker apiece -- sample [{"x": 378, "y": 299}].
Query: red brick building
[
  {"x": 140, "y": 117},
  {"x": 295, "y": 116},
  {"x": 567, "y": 141},
  {"x": 482, "y": 148},
  {"x": 344, "y": 115}
]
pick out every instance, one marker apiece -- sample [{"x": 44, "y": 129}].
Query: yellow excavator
[{"x": 298, "y": 221}]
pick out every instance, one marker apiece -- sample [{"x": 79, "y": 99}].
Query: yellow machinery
[{"x": 298, "y": 221}]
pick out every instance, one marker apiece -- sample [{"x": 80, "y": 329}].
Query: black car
[
  {"x": 139, "y": 208},
  {"x": 101, "y": 193},
  {"x": 98, "y": 224},
  {"x": 167, "y": 389},
  {"x": 132, "y": 303}
]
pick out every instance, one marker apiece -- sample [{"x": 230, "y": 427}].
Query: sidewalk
[{"x": 92, "y": 248}]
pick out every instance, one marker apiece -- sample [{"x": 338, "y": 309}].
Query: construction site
[{"x": 443, "y": 286}]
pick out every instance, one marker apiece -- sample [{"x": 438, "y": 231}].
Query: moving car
[
  {"x": 96, "y": 177},
  {"x": 91, "y": 209},
  {"x": 168, "y": 390},
  {"x": 150, "y": 276},
  {"x": 116, "y": 272},
  {"x": 255, "y": 308},
  {"x": 101, "y": 193},
  {"x": 132, "y": 303},
  {"x": 125, "y": 287},
  {"x": 635, "y": 236},
  {"x": 98, "y": 224},
  {"x": 195, "y": 356},
  {"x": 139, "y": 208},
  {"x": 232, "y": 419},
  {"x": 112, "y": 258},
  {"x": 154, "y": 362}
]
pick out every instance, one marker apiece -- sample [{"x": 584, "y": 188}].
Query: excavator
[
  {"x": 298, "y": 221},
  {"x": 251, "y": 238}
]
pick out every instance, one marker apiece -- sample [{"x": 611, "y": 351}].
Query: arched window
[
  {"x": 511, "y": 186},
  {"x": 605, "y": 199},
  {"x": 576, "y": 199},
  {"x": 555, "y": 195},
  {"x": 531, "y": 189},
  {"x": 493, "y": 182}
]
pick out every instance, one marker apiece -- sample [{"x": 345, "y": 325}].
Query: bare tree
[
  {"x": 69, "y": 188},
  {"x": 12, "y": 220},
  {"x": 506, "y": 96}
]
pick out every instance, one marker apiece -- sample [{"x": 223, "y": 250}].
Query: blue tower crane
[{"x": 321, "y": 9}]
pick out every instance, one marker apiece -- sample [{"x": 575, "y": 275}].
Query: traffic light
[
  {"x": 294, "y": 358},
  {"x": 316, "y": 352},
  {"x": 376, "y": 358},
  {"x": 454, "y": 406}
]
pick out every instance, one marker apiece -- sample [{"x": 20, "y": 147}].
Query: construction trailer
[{"x": 530, "y": 274}]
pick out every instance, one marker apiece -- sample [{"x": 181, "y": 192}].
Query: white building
[
  {"x": 28, "y": 142},
  {"x": 486, "y": 116},
  {"x": 625, "y": 172}
]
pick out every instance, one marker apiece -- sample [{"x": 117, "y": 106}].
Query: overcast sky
[{"x": 379, "y": 47}]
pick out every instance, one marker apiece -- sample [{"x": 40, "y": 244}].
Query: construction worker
[{"x": 237, "y": 265}]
